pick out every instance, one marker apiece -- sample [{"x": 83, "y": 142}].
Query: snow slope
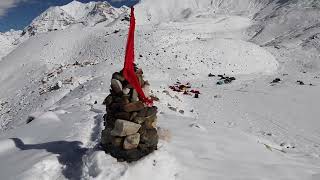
[{"x": 249, "y": 129}]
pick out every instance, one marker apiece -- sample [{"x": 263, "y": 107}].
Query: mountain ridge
[{"x": 61, "y": 17}]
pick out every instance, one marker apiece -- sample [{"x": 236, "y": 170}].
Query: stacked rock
[{"x": 130, "y": 127}]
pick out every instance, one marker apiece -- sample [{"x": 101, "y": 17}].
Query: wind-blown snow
[{"x": 53, "y": 82}]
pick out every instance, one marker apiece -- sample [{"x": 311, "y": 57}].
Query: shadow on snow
[{"x": 69, "y": 155}]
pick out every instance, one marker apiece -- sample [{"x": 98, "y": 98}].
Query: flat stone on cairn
[
  {"x": 130, "y": 127},
  {"x": 125, "y": 128}
]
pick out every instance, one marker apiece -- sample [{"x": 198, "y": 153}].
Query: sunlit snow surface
[{"x": 249, "y": 129}]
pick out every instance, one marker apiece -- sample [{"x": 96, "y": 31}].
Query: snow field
[{"x": 249, "y": 129}]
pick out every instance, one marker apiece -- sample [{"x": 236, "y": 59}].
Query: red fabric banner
[{"x": 128, "y": 70}]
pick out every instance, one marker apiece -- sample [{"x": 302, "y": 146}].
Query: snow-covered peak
[
  {"x": 102, "y": 11},
  {"x": 54, "y": 18},
  {"x": 61, "y": 17},
  {"x": 77, "y": 9}
]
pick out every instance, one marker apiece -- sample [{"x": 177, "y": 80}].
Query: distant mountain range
[
  {"x": 273, "y": 21},
  {"x": 61, "y": 17}
]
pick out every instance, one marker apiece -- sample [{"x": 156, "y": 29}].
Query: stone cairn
[{"x": 130, "y": 127}]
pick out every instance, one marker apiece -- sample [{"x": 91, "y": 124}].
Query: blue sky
[{"x": 16, "y": 14}]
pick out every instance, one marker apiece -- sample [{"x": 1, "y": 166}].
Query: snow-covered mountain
[
  {"x": 287, "y": 20},
  {"x": 61, "y": 17},
  {"x": 9, "y": 41},
  {"x": 275, "y": 20},
  {"x": 263, "y": 125},
  {"x": 274, "y": 23},
  {"x": 150, "y": 11},
  {"x": 58, "y": 18}
]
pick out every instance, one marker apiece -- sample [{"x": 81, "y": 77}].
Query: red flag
[{"x": 128, "y": 70}]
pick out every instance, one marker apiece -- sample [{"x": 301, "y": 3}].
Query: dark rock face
[
  {"x": 225, "y": 80},
  {"x": 276, "y": 80},
  {"x": 130, "y": 127},
  {"x": 300, "y": 83},
  {"x": 122, "y": 115},
  {"x": 149, "y": 137}
]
